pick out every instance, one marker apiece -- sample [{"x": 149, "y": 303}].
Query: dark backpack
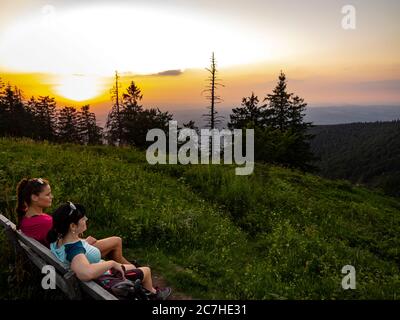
[{"x": 123, "y": 289}]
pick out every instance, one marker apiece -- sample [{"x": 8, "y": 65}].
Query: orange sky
[{"x": 66, "y": 49}]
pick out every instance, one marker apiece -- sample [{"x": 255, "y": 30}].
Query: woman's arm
[{"x": 86, "y": 271}]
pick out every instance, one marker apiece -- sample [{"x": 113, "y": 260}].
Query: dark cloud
[
  {"x": 162, "y": 73},
  {"x": 169, "y": 73}
]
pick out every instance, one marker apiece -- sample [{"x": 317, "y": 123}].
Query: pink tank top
[{"x": 37, "y": 227}]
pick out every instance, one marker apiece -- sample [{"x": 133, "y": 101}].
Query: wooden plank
[
  {"x": 41, "y": 251},
  {"x": 96, "y": 291},
  {"x": 6, "y": 223},
  {"x": 73, "y": 284},
  {"x": 60, "y": 281}
]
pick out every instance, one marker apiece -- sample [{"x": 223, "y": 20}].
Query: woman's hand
[
  {"x": 119, "y": 268},
  {"x": 90, "y": 240}
]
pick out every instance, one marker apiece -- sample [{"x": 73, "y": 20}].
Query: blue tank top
[{"x": 68, "y": 251}]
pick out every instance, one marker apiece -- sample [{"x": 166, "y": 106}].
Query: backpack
[{"x": 123, "y": 289}]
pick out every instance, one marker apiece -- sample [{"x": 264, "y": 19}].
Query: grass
[{"x": 276, "y": 234}]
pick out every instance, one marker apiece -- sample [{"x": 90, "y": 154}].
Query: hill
[
  {"x": 276, "y": 234},
  {"x": 367, "y": 153}
]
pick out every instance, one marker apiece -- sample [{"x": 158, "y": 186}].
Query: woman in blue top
[{"x": 69, "y": 221}]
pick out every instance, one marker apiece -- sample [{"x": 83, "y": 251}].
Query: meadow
[{"x": 275, "y": 234}]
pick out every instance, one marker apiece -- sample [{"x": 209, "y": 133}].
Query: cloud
[
  {"x": 169, "y": 73},
  {"x": 162, "y": 73}
]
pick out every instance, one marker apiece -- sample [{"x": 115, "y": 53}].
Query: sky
[{"x": 70, "y": 49}]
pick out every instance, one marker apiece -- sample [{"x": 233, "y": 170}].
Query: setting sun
[{"x": 78, "y": 87}]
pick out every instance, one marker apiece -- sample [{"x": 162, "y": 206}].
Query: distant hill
[
  {"x": 351, "y": 114},
  {"x": 366, "y": 153},
  {"x": 317, "y": 114}
]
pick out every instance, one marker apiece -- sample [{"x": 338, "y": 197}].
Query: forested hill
[{"x": 361, "y": 152}]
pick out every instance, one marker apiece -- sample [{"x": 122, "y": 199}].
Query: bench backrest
[{"x": 41, "y": 256}]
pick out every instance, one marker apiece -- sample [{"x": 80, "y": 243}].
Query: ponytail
[{"x": 21, "y": 204}]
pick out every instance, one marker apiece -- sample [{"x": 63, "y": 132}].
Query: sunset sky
[{"x": 71, "y": 49}]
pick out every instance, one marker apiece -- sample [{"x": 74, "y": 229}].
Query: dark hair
[
  {"x": 62, "y": 220},
  {"x": 25, "y": 189}
]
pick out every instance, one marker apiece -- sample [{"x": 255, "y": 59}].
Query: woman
[
  {"x": 33, "y": 196},
  {"x": 69, "y": 221}
]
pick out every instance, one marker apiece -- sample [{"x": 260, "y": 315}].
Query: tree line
[
  {"x": 281, "y": 134},
  {"x": 39, "y": 119}
]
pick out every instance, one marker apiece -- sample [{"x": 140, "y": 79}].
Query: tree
[
  {"x": 114, "y": 125},
  {"x": 67, "y": 126},
  {"x": 281, "y": 134},
  {"x": 211, "y": 89},
  {"x": 136, "y": 121},
  {"x": 15, "y": 120},
  {"x": 191, "y": 125},
  {"x": 89, "y": 131},
  {"x": 44, "y": 117},
  {"x": 278, "y": 105},
  {"x": 285, "y": 112},
  {"x": 131, "y": 116},
  {"x": 4, "y": 114},
  {"x": 250, "y": 114}
]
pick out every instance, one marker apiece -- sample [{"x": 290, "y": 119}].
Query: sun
[{"x": 78, "y": 87}]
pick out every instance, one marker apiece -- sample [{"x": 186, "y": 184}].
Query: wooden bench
[{"x": 66, "y": 280}]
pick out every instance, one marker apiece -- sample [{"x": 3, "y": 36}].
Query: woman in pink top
[{"x": 33, "y": 196}]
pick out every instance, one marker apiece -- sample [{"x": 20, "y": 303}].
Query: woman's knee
[
  {"x": 117, "y": 241},
  {"x": 146, "y": 271}
]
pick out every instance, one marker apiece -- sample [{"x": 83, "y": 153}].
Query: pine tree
[
  {"x": 131, "y": 112},
  {"x": 114, "y": 125},
  {"x": 89, "y": 132},
  {"x": 191, "y": 125},
  {"x": 281, "y": 134},
  {"x": 249, "y": 115},
  {"x": 16, "y": 119},
  {"x": 137, "y": 121},
  {"x": 44, "y": 117},
  {"x": 4, "y": 114},
  {"x": 285, "y": 112},
  {"x": 68, "y": 125},
  {"x": 278, "y": 105}
]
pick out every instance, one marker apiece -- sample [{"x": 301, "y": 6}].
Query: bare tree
[{"x": 211, "y": 90}]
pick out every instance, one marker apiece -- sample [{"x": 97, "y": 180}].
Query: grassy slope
[{"x": 274, "y": 234}]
